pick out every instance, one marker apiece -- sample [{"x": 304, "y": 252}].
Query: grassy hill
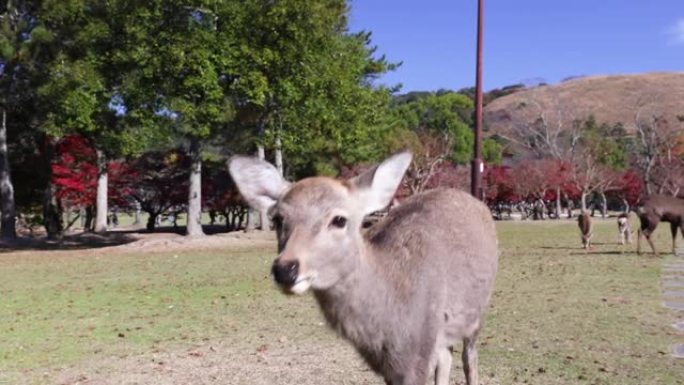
[{"x": 610, "y": 99}]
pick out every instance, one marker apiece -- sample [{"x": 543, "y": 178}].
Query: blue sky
[{"x": 525, "y": 40}]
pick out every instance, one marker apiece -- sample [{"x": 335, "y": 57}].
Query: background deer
[
  {"x": 624, "y": 229},
  {"x": 404, "y": 291},
  {"x": 658, "y": 208},
  {"x": 584, "y": 223}
]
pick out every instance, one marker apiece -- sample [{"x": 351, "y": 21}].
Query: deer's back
[
  {"x": 663, "y": 206},
  {"x": 439, "y": 246}
]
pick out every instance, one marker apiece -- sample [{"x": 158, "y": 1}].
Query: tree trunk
[
  {"x": 88, "y": 226},
  {"x": 52, "y": 214},
  {"x": 604, "y": 205},
  {"x": 52, "y": 211},
  {"x": 279, "y": 154},
  {"x": 263, "y": 215},
  {"x": 136, "y": 220},
  {"x": 7, "y": 223},
  {"x": 559, "y": 207},
  {"x": 624, "y": 202},
  {"x": 101, "y": 201},
  {"x": 151, "y": 222},
  {"x": 194, "y": 226},
  {"x": 584, "y": 201}
]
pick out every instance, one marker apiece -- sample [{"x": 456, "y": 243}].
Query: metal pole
[{"x": 477, "y": 165}]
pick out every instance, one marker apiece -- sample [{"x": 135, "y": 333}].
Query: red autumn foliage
[
  {"x": 630, "y": 187},
  {"x": 74, "y": 173},
  {"x": 161, "y": 183},
  {"x": 497, "y": 185}
]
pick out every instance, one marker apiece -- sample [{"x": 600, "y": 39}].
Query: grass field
[{"x": 560, "y": 315}]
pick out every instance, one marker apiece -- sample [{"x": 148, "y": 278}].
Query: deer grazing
[
  {"x": 584, "y": 223},
  {"x": 403, "y": 291},
  {"x": 624, "y": 229},
  {"x": 657, "y": 208}
]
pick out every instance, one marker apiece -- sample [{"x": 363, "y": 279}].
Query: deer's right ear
[{"x": 258, "y": 181}]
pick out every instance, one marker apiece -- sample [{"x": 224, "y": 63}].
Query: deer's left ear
[{"x": 377, "y": 186}]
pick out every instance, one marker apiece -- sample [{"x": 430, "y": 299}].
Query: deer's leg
[
  {"x": 650, "y": 242},
  {"x": 648, "y": 226},
  {"x": 674, "y": 226},
  {"x": 470, "y": 361},
  {"x": 443, "y": 366}
]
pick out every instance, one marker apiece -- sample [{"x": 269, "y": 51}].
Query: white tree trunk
[
  {"x": 101, "y": 200},
  {"x": 194, "y": 226},
  {"x": 604, "y": 205},
  {"x": 136, "y": 221},
  {"x": 559, "y": 207},
  {"x": 584, "y": 201},
  {"x": 263, "y": 215},
  {"x": 279, "y": 154},
  {"x": 7, "y": 225}
]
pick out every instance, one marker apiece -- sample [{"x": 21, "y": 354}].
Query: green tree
[
  {"x": 492, "y": 151},
  {"x": 187, "y": 74},
  {"x": 304, "y": 84},
  {"x": 21, "y": 38},
  {"x": 96, "y": 50},
  {"x": 449, "y": 113}
]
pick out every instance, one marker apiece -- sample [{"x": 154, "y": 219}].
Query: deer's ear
[
  {"x": 376, "y": 187},
  {"x": 258, "y": 181}
]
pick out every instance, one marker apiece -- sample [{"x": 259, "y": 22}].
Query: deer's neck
[{"x": 358, "y": 307}]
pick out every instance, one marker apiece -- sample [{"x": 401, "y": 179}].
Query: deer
[
  {"x": 624, "y": 229},
  {"x": 584, "y": 223},
  {"x": 404, "y": 291},
  {"x": 656, "y": 208}
]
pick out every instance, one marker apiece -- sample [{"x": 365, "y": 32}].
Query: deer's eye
[{"x": 339, "y": 222}]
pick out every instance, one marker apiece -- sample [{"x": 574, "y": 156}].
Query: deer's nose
[{"x": 285, "y": 272}]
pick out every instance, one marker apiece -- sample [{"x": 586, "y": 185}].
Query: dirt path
[{"x": 223, "y": 362}]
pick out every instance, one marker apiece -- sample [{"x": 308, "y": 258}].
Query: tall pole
[{"x": 477, "y": 165}]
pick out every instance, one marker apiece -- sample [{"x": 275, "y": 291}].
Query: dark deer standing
[
  {"x": 584, "y": 223},
  {"x": 404, "y": 291},
  {"x": 657, "y": 208}
]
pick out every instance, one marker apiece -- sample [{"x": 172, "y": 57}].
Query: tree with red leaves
[
  {"x": 498, "y": 185},
  {"x": 221, "y": 196},
  {"x": 160, "y": 183},
  {"x": 74, "y": 173},
  {"x": 629, "y": 189}
]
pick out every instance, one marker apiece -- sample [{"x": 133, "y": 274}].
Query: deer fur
[
  {"x": 584, "y": 223},
  {"x": 404, "y": 291},
  {"x": 656, "y": 208},
  {"x": 624, "y": 229}
]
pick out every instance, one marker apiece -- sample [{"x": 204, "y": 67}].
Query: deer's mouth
[{"x": 302, "y": 284}]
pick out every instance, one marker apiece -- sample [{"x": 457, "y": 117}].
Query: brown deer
[
  {"x": 657, "y": 208},
  {"x": 403, "y": 291},
  {"x": 624, "y": 228},
  {"x": 584, "y": 223}
]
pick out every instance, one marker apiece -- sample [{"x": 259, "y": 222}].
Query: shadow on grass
[
  {"x": 602, "y": 252},
  {"x": 89, "y": 240}
]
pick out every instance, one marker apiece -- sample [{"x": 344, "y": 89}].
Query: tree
[
  {"x": 159, "y": 183},
  {"x": 75, "y": 175},
  {"x": 21, "y": 36},
  {"x": 603, "y": 156},
  {"x": 96, "y": 49},
  {"x": 307, "y": 86},
  {"x": 448, "y": 115},
  {"x": 656, "y": 137}
]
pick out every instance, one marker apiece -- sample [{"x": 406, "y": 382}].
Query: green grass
[{"x": 559, "y": 315}]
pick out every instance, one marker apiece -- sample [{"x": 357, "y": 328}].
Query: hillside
[{"x": 610, "y": 99}]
